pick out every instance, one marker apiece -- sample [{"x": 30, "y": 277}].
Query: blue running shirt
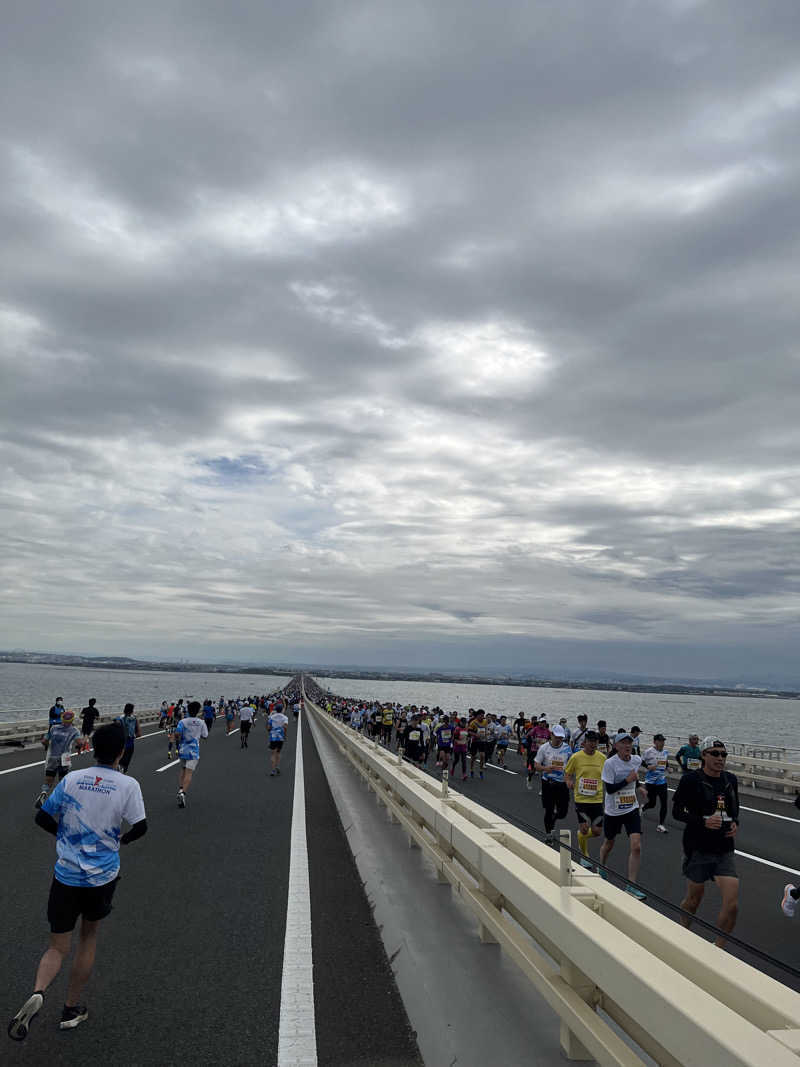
[
  {"x": 189, "y": 732},
  {"x": 89, "y": 807},
  {"x": 277, "y": 726}
]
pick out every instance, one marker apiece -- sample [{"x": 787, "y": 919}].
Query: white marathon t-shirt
[
  {"x": 90, "y": 806},
  {"x": 246, "y": 713},
  {"x": 624, "y": 800}
]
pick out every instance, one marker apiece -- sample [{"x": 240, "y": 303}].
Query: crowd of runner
[
  {"x": 85, "y": 812},
  {"x": 612, "y": 778}
]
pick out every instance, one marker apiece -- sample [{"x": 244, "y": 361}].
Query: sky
[{"x": 435, "y": 335}]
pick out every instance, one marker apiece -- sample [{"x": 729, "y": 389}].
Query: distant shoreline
[{"x": 126, "y": 664}]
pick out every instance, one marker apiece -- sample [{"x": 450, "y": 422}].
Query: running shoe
[
  {"x": 40, "y": 799},
  {"x": 72, "y": 1017},
  {"x": 549, "y": 839},
  {"x": 21, "y": 1023},
  {"x": 272, "y": 774},
  {"x": 181, "y": 799},
  {"x": 480, "y": 773},
  {"x": 661, "y": 829},
  {"x": 634, "y": 892},
  {"x": 529, "y": 784},
  {"x": 585, "y": 863},
  {"x": 788, "y": 903},
  {"x": 277, "y": 770}
]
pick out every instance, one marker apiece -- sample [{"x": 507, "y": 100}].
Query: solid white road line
[
  {"x": 768, "y": 863},
  {"x": 236, "y": 731},
  {"x": 24, "y": 767},
  {"x": 172, "y": 763},
  {"x": 297, "y": 1036}
]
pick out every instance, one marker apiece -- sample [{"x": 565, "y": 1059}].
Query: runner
[
  {"x": 189, "y": 733},
  {"x": 444, "y": 742},
  {"x": 58, "y": 741},
  {"x": 576, "y": 741},
  {"x": 478, "y": 730},
  {"x": 388, "y": 721},
  {"x": 415, "y": 750},
  {"x": 584, "y": 775},
  {"x": 162, "y": 717},
  {"x": 707, "y": 800},
  {"x": 460, "y": 740},
  {"x": 130, "y": 724},
  {"x": 656, "y": 760},
  {"x": 635, "y": 732},
  {"x": 789, "y": 901},
  {"x": 276, "y": 727},
  {"x": 209, "y": 714},
  {"x": 89, "y": 715},
  {"x": 229, "y": 711},
  {"x": 603, "y": 740},
  {"x": 621, "y": 805},
  {"x": 85, "y": 812},
  {"x": 296, "y": 709},
  {"x": 56, "y": 711},
  {"x": 169, "y": 727},
  {"x": 551, "y": 759},
  {"x": 689, "y": 757},
  {"x": 245, "y": 722},
  {"x": 502, "y": 733}
]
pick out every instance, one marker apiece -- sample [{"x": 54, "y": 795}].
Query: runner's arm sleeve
[
  {"x": 47, "y": 822},
  {"x": 614, "y": 787},
  {"x": 139, "y": 829},
  {"x": 680, "y": 811}
]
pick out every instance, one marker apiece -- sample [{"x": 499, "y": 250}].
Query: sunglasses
[{"x": 716, "y": 753}]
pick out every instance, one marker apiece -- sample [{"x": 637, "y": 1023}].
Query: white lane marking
[
  {"x": 495, "y": 767},
  {"x": 297, "y": 1037},
  {"x": 75, "y": 755},
  {"x": 236, "y": 731},
  {"x": 768, "y": 863},
  {"x": 24, "y": 767},
  {"x": 172, "y": 763}
]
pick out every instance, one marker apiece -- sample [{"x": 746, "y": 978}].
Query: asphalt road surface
[{"x": 190, "y": 961}]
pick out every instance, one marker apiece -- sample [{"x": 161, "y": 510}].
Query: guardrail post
[
  {"x": 572, "y": 1048},
  {"x": 445, "y": 786},
  {"x": 565, "y": 873}
]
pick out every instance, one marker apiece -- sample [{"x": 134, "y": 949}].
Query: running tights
[
  {"x": 555, "y": 801},
  {"x": 654, "y": 793},
  {"x": 460, "y": 754}
]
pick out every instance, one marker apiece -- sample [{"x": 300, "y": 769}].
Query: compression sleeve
[
  {"x": 139, "y": 829},
  {"x": 47, "y": 822},
  {"x": 614, "y": 787}
]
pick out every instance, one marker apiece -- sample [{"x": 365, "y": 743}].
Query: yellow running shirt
[{"x": 587, "y": 771}]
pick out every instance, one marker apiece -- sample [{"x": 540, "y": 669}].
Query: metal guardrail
[{"x": 590, "y": 947}]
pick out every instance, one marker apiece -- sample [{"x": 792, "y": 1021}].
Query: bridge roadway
[{"x": 190, "y": 962}]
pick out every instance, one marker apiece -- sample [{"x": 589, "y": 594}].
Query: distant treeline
[{"x": 123, "y": 663}]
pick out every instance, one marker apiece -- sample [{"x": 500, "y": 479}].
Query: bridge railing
[{"x": 595, "y": 953}]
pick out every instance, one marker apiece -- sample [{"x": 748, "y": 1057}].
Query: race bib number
[
  {"x": 587, "y": 786},
  {"x": 694, "y": 764},
  {"x": 480, "y": 733},
  {"x": 414, "y": 735},
  {"x": 625, "y": 799},
  {"x": 445, "y": 735},
  {"x": 661, "y": 764},
  {"x": 557, "y": 765},
  {"x": 66, "y": 759}
]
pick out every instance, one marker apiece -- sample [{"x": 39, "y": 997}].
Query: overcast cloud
[{"x": 428, "y": 333}]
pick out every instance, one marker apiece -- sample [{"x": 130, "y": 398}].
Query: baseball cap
[
  {"x": 623, "y": 735},
  {"x": 708, "y": 742},
  {"x": 69, "y": 715},
  {"x": 563, "y": 722},
  {"x": 558, "y": 731}
]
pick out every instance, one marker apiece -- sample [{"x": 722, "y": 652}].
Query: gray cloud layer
[{"x": 426, "y": 334}]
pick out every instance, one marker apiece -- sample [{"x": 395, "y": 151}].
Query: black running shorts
[
  {"x": 276, "y": 745},
  {"x": 67, "y": 902},
  {"x": 613, "y": 824}
]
